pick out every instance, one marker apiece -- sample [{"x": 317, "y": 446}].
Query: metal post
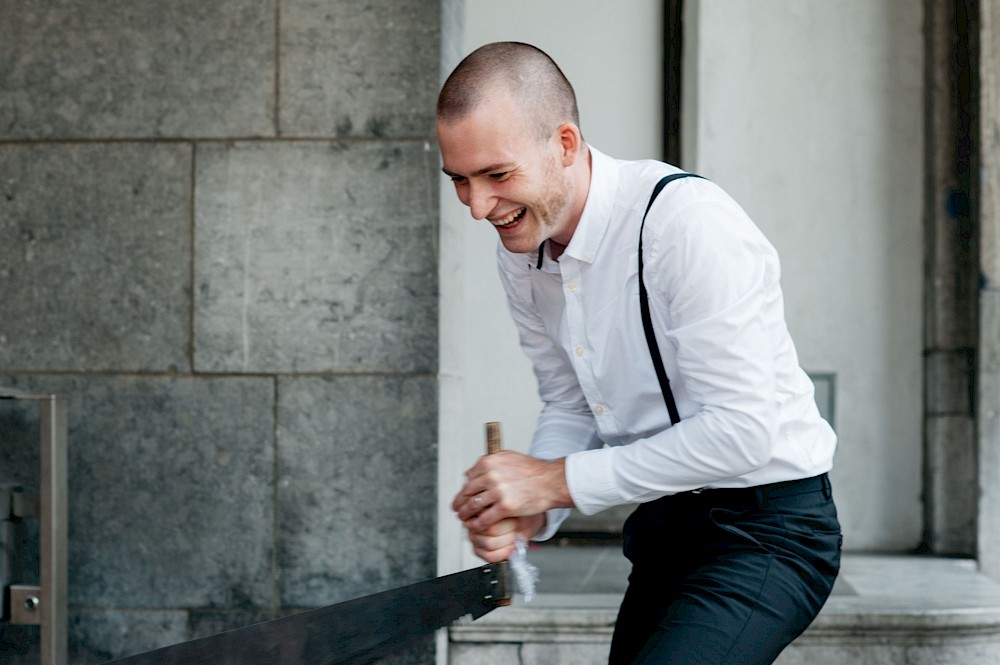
[
  {"x": 45, "y": 605},
  {"x": 54, "y": 527}
]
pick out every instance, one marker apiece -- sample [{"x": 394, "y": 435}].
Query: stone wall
[
  {"x": 987, "y": 200},
  {"x": 950, "y": 285},
  {"x": 218, "y": 239}
]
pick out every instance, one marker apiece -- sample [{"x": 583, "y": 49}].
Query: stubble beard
[{"x": 550, "y": 208}]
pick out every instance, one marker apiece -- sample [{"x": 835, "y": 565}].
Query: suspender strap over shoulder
[{"x": 647, "y": 321}]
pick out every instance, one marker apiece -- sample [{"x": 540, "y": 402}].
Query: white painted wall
[
  {"x": 611, "y": 53},
  {"x": 809, "y": 113}
]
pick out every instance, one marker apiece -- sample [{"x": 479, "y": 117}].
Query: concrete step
[{"x": 885, "y": 610}]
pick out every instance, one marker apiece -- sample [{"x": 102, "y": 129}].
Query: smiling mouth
[{"x": 511, "y": 219}]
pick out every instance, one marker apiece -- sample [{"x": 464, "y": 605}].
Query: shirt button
[
  {"x": 571, "y": 287},
  {"x": 599, "y": 409},
  {"x": 579, "y": 350}
]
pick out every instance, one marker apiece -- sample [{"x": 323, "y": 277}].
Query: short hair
[{"x": 521, "y": 69}]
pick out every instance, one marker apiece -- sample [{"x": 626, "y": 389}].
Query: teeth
[{"x": 509, "y": 219}]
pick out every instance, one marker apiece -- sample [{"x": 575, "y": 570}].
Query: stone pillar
[
  {"x": 950, "y": 293},
  {"x": 988, "y": 218},
  {"x": 218, "y": 240}
]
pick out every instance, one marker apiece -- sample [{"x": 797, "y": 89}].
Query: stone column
[
  {"x": 950, "y": 278},
  {"x": 988, "y": 208}
]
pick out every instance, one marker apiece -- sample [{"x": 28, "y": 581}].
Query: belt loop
[
  {"x": 761, "y": 498},
  {"x": 827, "y": 487}
]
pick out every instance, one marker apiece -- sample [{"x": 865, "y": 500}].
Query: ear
[{"x": 570, "y": 141}]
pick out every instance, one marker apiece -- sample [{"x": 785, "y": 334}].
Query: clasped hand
[{"x": 507, "y": 494}]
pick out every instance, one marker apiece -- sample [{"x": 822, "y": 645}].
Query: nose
[{"x": 481, "y": 200}]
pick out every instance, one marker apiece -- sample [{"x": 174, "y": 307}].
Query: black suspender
[{"x": 647, "y": 321}]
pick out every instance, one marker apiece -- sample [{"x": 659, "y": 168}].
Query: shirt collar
[{"x": 596, "y": 217}]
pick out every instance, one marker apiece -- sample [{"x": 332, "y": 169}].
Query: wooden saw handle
[{"x": 493, "y": 446}]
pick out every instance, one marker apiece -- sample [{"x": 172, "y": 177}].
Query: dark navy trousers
[{"x": 726, "y": 576}]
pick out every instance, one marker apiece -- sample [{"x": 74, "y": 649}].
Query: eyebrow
[{"x": 506, "y": 166}]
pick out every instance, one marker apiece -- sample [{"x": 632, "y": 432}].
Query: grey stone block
[
  {"x": 988, "y": 434},
  {"x": 949, "y": 316},
  {"x": 982, "y": 651},
  {"x": 315, "y": 257},
  {"x": 19, "y": 645},
  {"x": 988, "y": 147},
  {"x": 589, "y": 569},
  {"x": 137, "y": 69},
  {"x": 951, "y": 493},
  {"x": 484, "y": 654},
  {"x": 202, "y": 623},
  {"x": 359, "y": 69},
  {"x": 578, "y": 654},
  {"x": 97, "y": 636},
  {"x": 170, "y": 490},
  {"x": 356, "y": 488},
  {"x": 19, "y": 443},
  {"x": 95, "y": 267},
  {"x": 843, "y": 654},
  {"x": 20, "y": 447},
  {"x": 420, "y": 651},
  {"x": 950, "y": 377}
]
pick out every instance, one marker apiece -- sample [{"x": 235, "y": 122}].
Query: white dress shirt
[{"x": 748, "y": 414}]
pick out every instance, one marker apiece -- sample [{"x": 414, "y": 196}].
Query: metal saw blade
[{"x": 349, "y": 633}]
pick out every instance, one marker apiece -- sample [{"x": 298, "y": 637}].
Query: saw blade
[{"x": 349, "y": 633}]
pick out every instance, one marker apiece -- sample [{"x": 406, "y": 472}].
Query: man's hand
[
  {"x": 498, "y": 541},
  {"x": 509, "y": 485}
]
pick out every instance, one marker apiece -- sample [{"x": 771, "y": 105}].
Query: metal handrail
[{"x": 45, "y": 604}]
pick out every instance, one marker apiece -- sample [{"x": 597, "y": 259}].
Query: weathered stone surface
[
  {"x": 316, "y": 257},
  {"x": 170, "y": 490},
  {"x": 578, "y": 654},
  {"x": 202, "y": 623},
  {"x": 19, "y": 645},
  {"x": 988, "y": 416},
  {"x": 420, "y": 651},
  {"x": 19, "y": 443},
  {"x": 949, "y": 267},
  {"x": 336, "y": 83},
  {"x": 950, "y": 379},
  {"x": 95, "y": 266},
  {"x": 97, "y": 636},
  {"x": 843, "y": 654},
  {"x": 988, "y": 158},
  {"x": 951, "y": 288},
  {"x": 484, "y": 654},
  {"x": 356, "y": 486},
  {"x": 951, "y": 494},
  {"x": 137, "y": 68},
  {"x": 983, "y": 650},
  {"x": 989, "y": 297}
]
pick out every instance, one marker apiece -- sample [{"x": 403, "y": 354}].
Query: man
[{"x": 736, "y": 545}]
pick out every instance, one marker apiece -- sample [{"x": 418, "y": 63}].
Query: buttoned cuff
[
  {"x": 553, "y": 520},
  {"x": 591, "y": 481}
]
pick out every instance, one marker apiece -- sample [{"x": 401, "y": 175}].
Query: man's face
[{"x": 508, "y": 176}]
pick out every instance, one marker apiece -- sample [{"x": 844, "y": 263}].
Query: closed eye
[{"x": 499, "y": 176}]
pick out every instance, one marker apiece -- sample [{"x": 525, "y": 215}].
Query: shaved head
[{"x": 521, "y": 71}]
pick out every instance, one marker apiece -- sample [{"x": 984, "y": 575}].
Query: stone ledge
[
  {"x": 886, "y": 609},
  {"x": 595, "y": 624},
  {"x": 550, "y": 618}
]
